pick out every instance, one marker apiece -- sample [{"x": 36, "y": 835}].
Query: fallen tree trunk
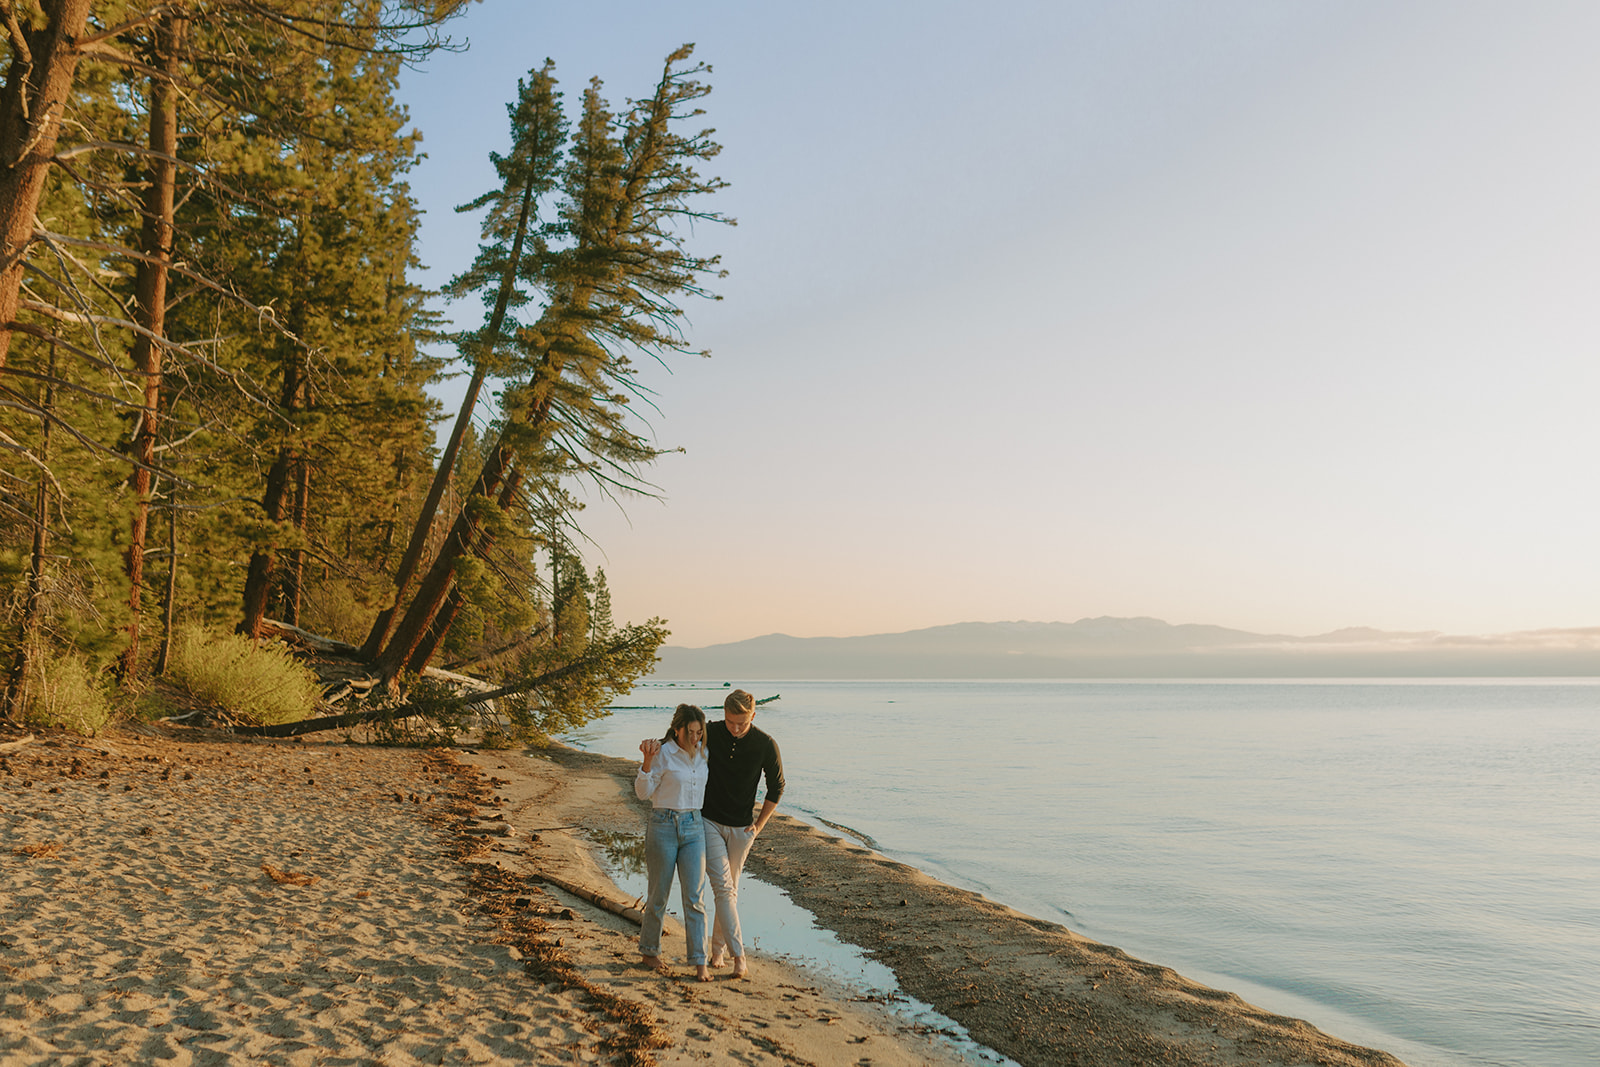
[
  {"x": 424, "y": 707},
  {"x": 294, "y": 635}
]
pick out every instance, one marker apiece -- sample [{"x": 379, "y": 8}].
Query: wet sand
[{"x": 1029, "y": 988}]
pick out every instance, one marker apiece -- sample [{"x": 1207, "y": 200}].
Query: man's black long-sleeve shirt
[{"x": 737, "y": 766}]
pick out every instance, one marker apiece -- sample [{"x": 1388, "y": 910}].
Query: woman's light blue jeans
[{"x": 675, "y": 840}]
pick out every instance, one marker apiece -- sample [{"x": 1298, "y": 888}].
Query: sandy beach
[{"x": 186, "y": 896}]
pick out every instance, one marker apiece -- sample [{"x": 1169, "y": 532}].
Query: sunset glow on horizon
[{"x": 1277, "y": 317}]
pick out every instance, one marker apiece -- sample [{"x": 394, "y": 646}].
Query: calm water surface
[{"x": 1412, "y": 865}]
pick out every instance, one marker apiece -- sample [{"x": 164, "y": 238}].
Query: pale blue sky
[{"x": 1274, "y": 315}]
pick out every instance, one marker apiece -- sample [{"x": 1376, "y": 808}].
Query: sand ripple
[{"x": 153, "y": 934}]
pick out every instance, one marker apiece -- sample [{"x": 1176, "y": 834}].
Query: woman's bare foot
[
  {"x": 656, "y": 964},
  {"x": 741, "y": 969},
  {"x": 719, "y": 960},
  {"x": 702, "y": 972}
]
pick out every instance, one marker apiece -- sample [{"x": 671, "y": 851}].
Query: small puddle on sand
[
  {"x": 777, "y": 926},
  {"x": 624, "y": 855}
]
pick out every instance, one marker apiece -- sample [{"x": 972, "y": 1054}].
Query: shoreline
[
  {"x": 192, "y": 895},
  {"x": 1026, "y": 987}
]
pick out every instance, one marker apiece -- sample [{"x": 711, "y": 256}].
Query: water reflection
[
  {"x": 624, "y": 851},
  {"x": 775, "y": 924}
]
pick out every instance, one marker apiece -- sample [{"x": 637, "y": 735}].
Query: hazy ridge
[{"x": 1109, "y": 647}]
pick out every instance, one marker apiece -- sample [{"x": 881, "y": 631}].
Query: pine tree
[
  {"x": 336, "y": 274},
  {"x": 601, "y": 624},
  {"x": 514, "y": 251},
  {"x": 613, "y": 287},
  {"x": 50, "y": 39},
  {"x": 240, "y": 114},
  {"x": 150, "y": 296}
]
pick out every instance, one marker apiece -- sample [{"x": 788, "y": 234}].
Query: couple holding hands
[{"x": 701, "y": 781}]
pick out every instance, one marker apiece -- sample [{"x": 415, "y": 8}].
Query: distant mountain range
[{"x": 1138, "y": 648}]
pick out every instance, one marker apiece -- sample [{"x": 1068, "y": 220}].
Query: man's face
[{"x": 738, "y": 725}]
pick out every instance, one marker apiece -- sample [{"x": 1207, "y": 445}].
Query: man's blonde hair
[{"x": 739, "y": 703}]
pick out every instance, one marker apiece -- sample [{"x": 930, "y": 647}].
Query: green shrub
[
  {"x": 63, "y": 693},
  {"x": 332, "y": 609},
  {"x": 260, "y": 685}
]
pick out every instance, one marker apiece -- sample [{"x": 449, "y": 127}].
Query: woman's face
[{"x": 690, "y": 735}]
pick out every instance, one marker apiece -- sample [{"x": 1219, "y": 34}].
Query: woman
[{"x": 673, "y": 779}]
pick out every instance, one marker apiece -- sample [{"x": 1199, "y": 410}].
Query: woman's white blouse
[{"x": 675, "y": 780}]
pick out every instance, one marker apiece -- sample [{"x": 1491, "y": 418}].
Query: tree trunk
[
  {"x": 439, "y": 629},
  {"x": 150, "y": 289},
  {"x": 169, "y": 601},
  {"x": 16, "y": 682},
  {"x": 263, "y": 561},
  {"x": 32, "y": 605},
  {"x": 437, "y": 583},
  {"x": 383, "y": 625},
  {"x": 32, "y": 102},
  {"x": 276, "y": 500},
  {"x": 295, "y": 574}
]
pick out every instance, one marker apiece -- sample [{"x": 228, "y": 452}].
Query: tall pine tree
[
  {"x": 613, "y": 286},
  {"x": 510, "y": 261}
]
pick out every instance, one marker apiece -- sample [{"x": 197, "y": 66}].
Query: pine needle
[{"x": 288, "y": 877}]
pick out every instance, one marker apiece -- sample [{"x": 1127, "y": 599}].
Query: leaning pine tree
[
  {"x": 612, "y": 276},
  {"x": 514, "y": 251}
]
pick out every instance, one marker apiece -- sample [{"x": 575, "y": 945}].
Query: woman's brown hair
[{"x": 685, "y": 714}]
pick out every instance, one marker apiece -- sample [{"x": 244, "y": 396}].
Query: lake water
[{"x": 1413, "y": 865}]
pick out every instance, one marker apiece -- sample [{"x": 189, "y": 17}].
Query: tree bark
[
  {"x": 440, "y": 579},
  {"x": 295, "y": 574},
  {"x": 263, "y": 561},
  {"x": 32, "y": 102},
  {"x": 439, "y": 629},
  {"x": 32, "y": 605},
  {"x": 150, "y": 311}
]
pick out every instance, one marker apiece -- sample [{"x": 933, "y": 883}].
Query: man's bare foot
[
  {"x": 656, "y": 964},
  {"x": 719, "y": 960},
  {"x": 741, "y": 969},
  {"x": 702, "y": 972}
]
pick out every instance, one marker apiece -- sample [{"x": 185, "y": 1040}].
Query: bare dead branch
[
  {"x": 263, "y": 314},
  {"x": 11, "y": 444}
]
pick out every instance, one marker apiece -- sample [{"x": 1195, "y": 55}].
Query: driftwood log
[
  {"x": 10, "y": 745},
  {"x": 425, "y": 707},
  {"x": 628, "y": 910}
]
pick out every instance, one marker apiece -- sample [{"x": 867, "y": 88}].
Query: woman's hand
[{"x": 649, "y": 747}]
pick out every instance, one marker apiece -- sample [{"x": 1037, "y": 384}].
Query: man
[{"x": 739, "y": 756}]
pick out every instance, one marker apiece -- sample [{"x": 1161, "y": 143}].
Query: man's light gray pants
[{"x": 726, "y": 848}]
